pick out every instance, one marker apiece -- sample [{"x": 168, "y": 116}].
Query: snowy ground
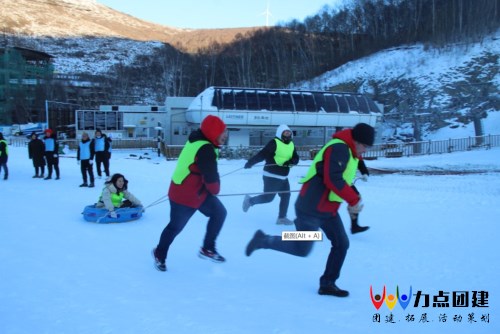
[{"x": 61, "y": 274}]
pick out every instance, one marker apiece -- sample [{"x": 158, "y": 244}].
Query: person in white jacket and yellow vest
[
  {"x": 280, "y": 155},
  {"x": 115, "y": 195}
]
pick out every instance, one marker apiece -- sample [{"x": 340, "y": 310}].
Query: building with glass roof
[{"x": 250, "y": 111}]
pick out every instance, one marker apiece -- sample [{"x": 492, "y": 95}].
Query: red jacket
[
  {"x": 202, "y": 180},
  {"x": 313, "y": 197}
]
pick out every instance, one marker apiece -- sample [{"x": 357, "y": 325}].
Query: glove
[
  {"x": 113, "y": 214},
  {"x": 248, "y": 165},
  {"x": 364, "y": 177},
  {"x": 91, "y": 162},
  {"x": 55, "y": 155},
  {"x": 355, "y": 209}
]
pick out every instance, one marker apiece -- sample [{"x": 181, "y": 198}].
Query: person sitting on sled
[{"x": 115, "y": 195}]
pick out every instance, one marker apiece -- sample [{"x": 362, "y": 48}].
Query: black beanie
[{"x": 364, "y": 134}]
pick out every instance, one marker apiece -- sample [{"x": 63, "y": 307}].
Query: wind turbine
[{"x": 267, "y": 13}]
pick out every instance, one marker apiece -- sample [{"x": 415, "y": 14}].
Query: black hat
[{"x": 364, "y": 134}]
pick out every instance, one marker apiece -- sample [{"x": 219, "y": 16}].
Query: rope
[
  {"x": 165, "y": 197},
  {"x": 234, "y": 171},
  {"x": 261, "y": 193},
  {"x": 108, "y": 213},
  {"x": 162, "y": 199}
]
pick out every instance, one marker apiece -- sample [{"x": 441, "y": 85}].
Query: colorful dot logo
[{"x": 390, "y": 300}]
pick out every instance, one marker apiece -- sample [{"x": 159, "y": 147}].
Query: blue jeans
[
  {"x": 179, "y": 217},
  {"x": 333, "y": 229},
  {"x": 3, "y": 165}
]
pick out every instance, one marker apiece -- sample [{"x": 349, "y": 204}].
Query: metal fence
[
  {"x": 395, "y": 150},
  {"x": 386, "y": 150},
  {"x": 132, "y": 143}
]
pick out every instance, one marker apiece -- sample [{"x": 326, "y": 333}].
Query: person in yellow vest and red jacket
[
  {"x": 115, "y": 195},
  {"x": 194, "y": 186},
  {"x": 280, "y": 155},
  {"x": 327, "y": 184},
  {"x": 4, "y": 156}
]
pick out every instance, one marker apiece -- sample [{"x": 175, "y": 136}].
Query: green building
[{"x": 24, "y": 78}]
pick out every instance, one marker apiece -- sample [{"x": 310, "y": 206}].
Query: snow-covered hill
[
  {"x": 444, "y": 86},
  {"x": 431, "y": 69}
]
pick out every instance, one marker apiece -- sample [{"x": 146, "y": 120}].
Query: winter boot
[
  {"x": 284, "y": 221},
  {"x": 246, "y": 203},
  {"x": 355, "y": 228},
  {"x": 332, "y": 290},
  {"x": 256, "y": 243},
  {"x": 159, "y": 265},
  {"x": 91, "y": 185},
  {"x": 84, "y": 184},
  {"x": 211, "y": 255},
  {"x": 48, "y": 177}
]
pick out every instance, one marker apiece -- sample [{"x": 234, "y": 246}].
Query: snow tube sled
[{"x": 101, "y": 215}]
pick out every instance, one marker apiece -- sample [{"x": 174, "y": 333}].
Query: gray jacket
[{"x": 105, "y": 199}]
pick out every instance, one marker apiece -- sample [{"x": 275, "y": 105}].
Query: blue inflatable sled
[{"x": 101, "y": 215}]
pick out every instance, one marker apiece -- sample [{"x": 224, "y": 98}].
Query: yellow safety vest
[
  {"x": 284, "y": 152},
  {"x": 6, "y": 147},
  {"x": 186, "y": 159},
  {"x": 348, "y": 175}
]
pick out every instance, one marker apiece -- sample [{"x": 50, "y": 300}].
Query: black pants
[
  {"x": 3, "y": 165},
  {"x": 39, "y": 170},
  {"x": 334, "y": 231},
  {"x": 52, "y": 163},
  {"x": 86, "y": 168},
  {"x": 272, "y": 184},
  {"x": 102, "y": 158},
  {"x": 179, "y": 217}
]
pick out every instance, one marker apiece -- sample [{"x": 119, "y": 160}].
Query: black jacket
[
  {"x": 36, "y": 149},
  {"x": 267, "y": 154}
]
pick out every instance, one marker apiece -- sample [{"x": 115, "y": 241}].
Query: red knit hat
[
  {"x": 48, "y": 132},
  {"x": 212, "y": 127}
]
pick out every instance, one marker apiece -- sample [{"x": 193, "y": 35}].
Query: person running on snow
[
  {"x": 327, "y": 183},
  {"x": 51, "y": 153},
  {"x": 36, "y": 148},
  {"x": 4, "y": 156},
  {"x": 85, "y": 157},
  {"x": 115, "y": 195},
  {"x": 280, "y": 154},
  {"x": 194, "y": 184}
]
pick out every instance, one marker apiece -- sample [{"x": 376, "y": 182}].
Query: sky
[
  {"x": 61, "y": 274},
  {"x": 209, "y": 14}
]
